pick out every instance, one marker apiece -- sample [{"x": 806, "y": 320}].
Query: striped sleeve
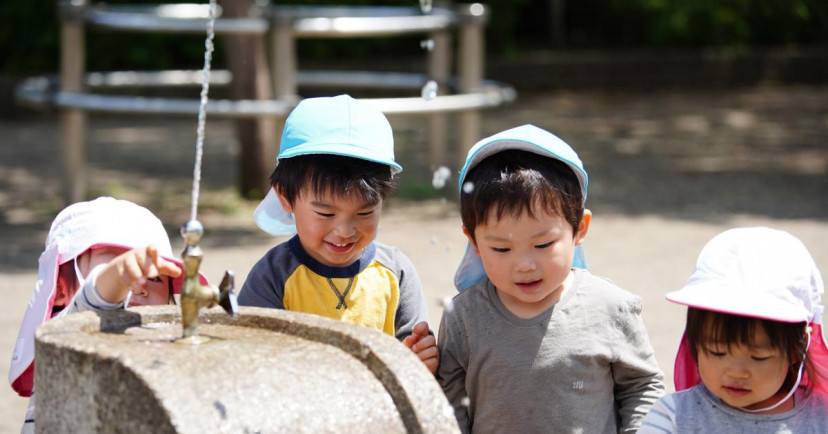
[{"x": 662, "y": 417}]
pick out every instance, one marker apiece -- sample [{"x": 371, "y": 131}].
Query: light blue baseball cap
[
  {"x": 524, "y": 138},
  {"x": 339, "y": 125}
]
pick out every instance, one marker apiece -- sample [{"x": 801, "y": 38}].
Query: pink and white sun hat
[
  {"x": 760, "y": 273},
  {"x": 103, "y": 222}
]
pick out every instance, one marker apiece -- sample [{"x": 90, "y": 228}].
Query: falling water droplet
[
  {"x": 468, "y": 187},
  {"x": 465, "y": 402},
  {"x": 441, "y": 175},
  {"x": 447, "y": 303},
  {"x": 427, "y": 44},
  {"x": 429, "y": 91},
  {"x": 425, "y": 6}
]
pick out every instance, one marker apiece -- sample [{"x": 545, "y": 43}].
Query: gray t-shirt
[
  {"x": 585, "y": 365},
  {"x": 696, "y": 410}
]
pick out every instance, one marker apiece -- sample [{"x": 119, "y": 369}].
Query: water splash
[
  {"x": 468, "y": 187},
  {"x": 429, "y": 91},
  {"x": 441, "y": 175},
  {"x": 426, "y": 5},
  {"x": 202, "y": 108},
  {"x": 427, "y": 44},
  {"x": 447, "y": 303}
]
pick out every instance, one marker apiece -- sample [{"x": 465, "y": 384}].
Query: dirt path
[{"x": 667, "y": 172}]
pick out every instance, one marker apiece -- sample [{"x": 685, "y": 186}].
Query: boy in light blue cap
[
  {"x": 533, "y": 343},
  {"x": 334, "y": 169}
]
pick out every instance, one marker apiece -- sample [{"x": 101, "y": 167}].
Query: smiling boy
[
  {"x": 334, "y": 169},
  {"x": 535, "y": 343}
]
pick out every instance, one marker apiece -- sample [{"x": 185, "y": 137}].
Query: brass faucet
[{"x": 194, "y": 295}]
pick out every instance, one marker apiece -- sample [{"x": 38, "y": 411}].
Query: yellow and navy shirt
[{"x": 381, "y": 290}]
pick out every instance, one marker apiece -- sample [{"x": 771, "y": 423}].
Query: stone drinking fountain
[
  {"x": 152, "y": 370},
  {"x": 245, "y": 370}
]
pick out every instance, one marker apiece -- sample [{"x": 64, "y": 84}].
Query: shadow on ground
[{"x": 691, "y": 155}]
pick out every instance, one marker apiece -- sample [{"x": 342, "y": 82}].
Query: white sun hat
[
  {"x": 525, "y": 138},
  {"x": 103, "y": 222},
  {"x": 339, "y": 125},
  {"x": 760, "y": 273}
]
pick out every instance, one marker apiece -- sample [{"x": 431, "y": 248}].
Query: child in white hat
[
  {"x": 99, "y": 255},
  {"x": 534, "y": 343},
  {"x": 752, "y": 358},
  {"x": 334, "y": 169}
]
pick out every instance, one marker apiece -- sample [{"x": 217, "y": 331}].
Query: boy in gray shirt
[{"x": 533, "y": 344}]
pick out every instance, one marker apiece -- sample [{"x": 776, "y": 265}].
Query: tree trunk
[{"x": 247, "y": 61}]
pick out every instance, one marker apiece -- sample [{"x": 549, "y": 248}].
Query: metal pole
[
  {"x": 283, "y": 64},
  {"x": 73, "y": 120},
  {"x": 439, "y": 69},
  {"x": 470, "y": 70}
]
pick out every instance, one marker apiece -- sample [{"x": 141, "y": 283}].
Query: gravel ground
[{"x": 668, "y": 171}]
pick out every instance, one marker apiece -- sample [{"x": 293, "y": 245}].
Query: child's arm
[
  {"x": 638, "y": 379},
  {"x": 451, "y": 372},
  {"x": 134, "y": 266},
  {"x": 661, "y": 419},
  {"x": 424, "y": 346}
]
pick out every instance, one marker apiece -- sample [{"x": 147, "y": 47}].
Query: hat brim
[
  {"x": 341, "y": 149},
  {"x": 732, "y": 301}
]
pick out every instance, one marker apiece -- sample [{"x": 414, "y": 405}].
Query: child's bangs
[
  {"x": 332, "y": 176},
  {"x": 706, "y": 329},
  {"x": 360, "y": 190},
  {"x": 525, "y": 194}
]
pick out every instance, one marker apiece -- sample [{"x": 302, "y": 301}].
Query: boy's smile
[
  {"x": 334, "y": 230},
  {"x": 528, "y": 259}
]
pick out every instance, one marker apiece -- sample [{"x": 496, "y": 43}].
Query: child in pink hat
[
  {"x": 753, "y": 358},
  {"x": 99, "y": 255}
]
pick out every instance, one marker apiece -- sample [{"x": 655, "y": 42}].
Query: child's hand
[
  {"x": 133, "y": 267},
  {"x": 424, "y": 346}
]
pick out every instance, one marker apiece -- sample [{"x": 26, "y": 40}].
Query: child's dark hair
[
  {"x": 514, "y": 181},
  {"x": 705, "y": 326},
  {"x": 339, "y": 175}
]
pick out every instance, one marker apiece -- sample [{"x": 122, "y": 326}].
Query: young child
[
  {"x": 531, "y": 344},
  {"x": 334, "y": 168},
  {"x": 752, "y": 358},
  {"x": 100, "y": 255}
]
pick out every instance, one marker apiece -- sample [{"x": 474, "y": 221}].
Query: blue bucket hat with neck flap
[{"x": 525, "y": 138}]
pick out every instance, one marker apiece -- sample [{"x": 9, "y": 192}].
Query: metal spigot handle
[{"x": 227, "y": 293}]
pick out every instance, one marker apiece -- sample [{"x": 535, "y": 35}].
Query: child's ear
[
  {"x": 282, "y": 200},
  {"x": 583, "y": 227},
  {"x": 471, "y": 240}
]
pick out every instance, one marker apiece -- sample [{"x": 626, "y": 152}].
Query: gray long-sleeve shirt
[
  {"x": 696, "y": 410},
  {"x": 585, "y": 365}
]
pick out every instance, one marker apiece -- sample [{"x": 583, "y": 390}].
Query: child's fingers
[
  {"x": 130, "y": 269},
  {"x": 424, "y": 343},
  {"x": 420, "y": 329},
  {"x": 168, "y": 268},
  {"x": 150, "y": 259},
  {"x": 157, "y": 265},
  {"x": 432, "y": 364},
  {"x": 410, "y": 340},
  {"x": 427, "y": 353}
]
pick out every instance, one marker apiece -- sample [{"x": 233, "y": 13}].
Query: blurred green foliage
[{"x": 29, "y": 36}]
